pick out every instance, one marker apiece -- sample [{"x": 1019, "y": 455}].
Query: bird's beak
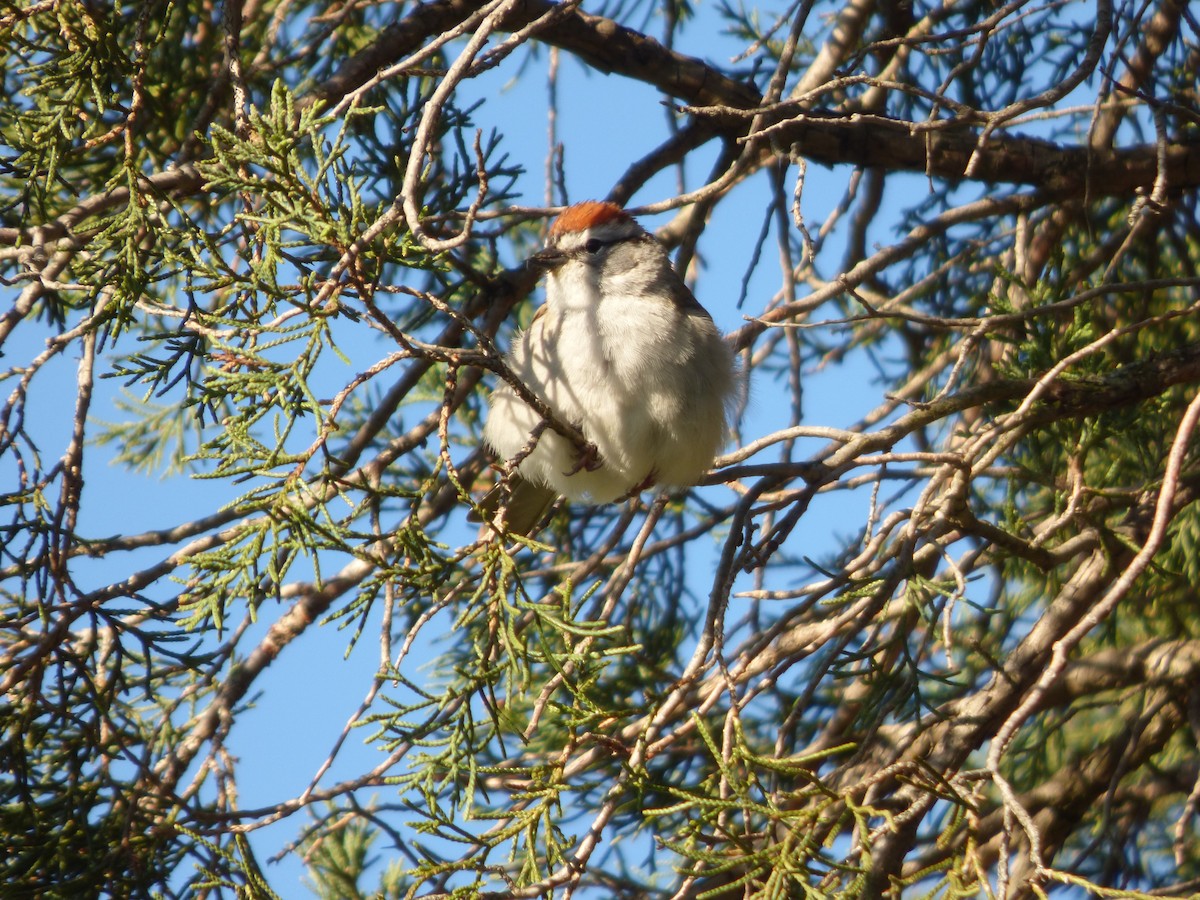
[{"x": 546, "y": 260}]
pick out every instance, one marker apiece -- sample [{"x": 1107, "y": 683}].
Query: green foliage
[
  {"x": 76, "y": 817},
  {"x": 339, "y": 859}
]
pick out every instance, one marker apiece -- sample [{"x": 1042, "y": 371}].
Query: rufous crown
[{"x": 588, "y": 214}]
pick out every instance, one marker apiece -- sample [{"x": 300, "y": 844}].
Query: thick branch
[
  {"x": 1059, "y": 804},
  {"x": 598, "y": 41},
  {"x": 941, "y": 150},
  {"x": 878, "y": 142}
]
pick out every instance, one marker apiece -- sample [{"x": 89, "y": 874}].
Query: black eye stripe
[{"x": 595, "y": 245}]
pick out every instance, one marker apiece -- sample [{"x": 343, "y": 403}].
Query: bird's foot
[
  {"x": 587, "y": 460},
  {"x": 645, "y": 484}
]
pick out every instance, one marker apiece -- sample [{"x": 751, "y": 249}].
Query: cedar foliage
[{"x": 268, "y": 247}]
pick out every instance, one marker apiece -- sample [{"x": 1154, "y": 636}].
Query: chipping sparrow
[{"x": 624, "y": 352}]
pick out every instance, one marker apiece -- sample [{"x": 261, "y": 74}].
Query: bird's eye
[{"x": 595, "y": 245}]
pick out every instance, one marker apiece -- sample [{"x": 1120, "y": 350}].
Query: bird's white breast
[{"x": 643, "y": 381}]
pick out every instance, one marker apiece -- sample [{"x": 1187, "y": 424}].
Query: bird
[{"x": 621, "y": 350}]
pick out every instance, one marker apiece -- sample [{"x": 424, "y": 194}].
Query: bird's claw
[
  {"x": 644, "y": 485},
  {"x": 588, "y": 459}
]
